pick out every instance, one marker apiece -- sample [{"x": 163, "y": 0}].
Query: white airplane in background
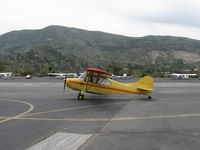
[
  {"x": 180, "y": 76},
  {"x": 58, "y": 75},
  {"x": 64, "y": 75},
  {"x": 125, "y": 76},
  {"x": 5, "y": 75}
]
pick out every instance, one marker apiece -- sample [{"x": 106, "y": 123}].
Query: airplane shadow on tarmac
[{"x": 102, "y": 99}]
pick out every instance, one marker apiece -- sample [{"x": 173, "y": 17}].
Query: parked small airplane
[
  {"x": 28, "y": 76},
  {"x": 63, "y": 75},
  {"x": 180, "y": 76},
  {"x": 58, "y": 75},
  {"x": 6, "y": 75},
  {"x": 98, "y": 82},
  {"x": 125, "y": 76}
]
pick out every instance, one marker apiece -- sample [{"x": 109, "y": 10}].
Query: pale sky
[{"x": 134, "y": 18}]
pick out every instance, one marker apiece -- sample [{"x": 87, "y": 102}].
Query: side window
[
  {"x": 91, "y": 79},
  {"x": 104, "y": 82}
]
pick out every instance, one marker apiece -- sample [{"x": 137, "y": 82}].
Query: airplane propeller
[{"x": 64, "y": 84}]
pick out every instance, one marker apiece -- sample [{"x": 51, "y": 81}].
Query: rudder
[{"x": 146, "y": 84}]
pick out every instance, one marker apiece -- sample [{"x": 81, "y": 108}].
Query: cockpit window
[
  {"x": 104, "y": 81},
  {"x": 93, "y": 78}
]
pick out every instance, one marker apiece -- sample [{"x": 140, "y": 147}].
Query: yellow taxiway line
[
  {"x": 73, "y": 108},
  {"x": 26, "y": 116},
  {"x": 109, "y": 119},
  {"x": 114, "y": 119},
  {"x": 31, "y": 107}
]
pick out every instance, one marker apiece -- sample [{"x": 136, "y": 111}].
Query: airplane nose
[
  {"x": 64, "y": 85},
  {"x": 71, "y": 83},
  {"x": 68, "y": 81}
]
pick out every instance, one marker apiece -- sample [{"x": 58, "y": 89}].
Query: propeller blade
[{"x": 64, "y": 85}]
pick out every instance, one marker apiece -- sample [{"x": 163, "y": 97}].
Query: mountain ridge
[{"x": 100, "y": 48}]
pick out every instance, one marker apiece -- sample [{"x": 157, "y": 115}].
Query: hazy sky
[{"x": 125, "y": 17}]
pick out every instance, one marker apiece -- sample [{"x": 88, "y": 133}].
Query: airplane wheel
[
  {"x": 80, "y": 97},
  {"x": 149, "y": 97}
]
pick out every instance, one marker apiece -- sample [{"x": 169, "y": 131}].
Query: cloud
[
  {"x": 126, "y": 17},
  {"x": 182, "y": 13}
]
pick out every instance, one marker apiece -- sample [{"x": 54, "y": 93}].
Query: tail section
[{"x": 145, "y": 85}]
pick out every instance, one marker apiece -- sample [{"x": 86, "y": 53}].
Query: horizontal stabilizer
[{"x": 145, "y": 89}]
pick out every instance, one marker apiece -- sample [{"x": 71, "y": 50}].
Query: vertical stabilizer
[{"x": 145, "y": 85}]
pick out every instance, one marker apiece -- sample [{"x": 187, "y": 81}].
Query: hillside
[
  {"x": 44, "y": 59},
  {"x": 97, "y": 48}
]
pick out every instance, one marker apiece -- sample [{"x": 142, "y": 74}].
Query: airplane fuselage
[{"x": 108, "y": 87}]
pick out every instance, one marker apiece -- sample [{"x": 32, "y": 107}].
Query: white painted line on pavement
[{"x": 62, "y": 141}]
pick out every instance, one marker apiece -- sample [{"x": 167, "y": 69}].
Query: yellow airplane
[{"x": 98, "y": 82}]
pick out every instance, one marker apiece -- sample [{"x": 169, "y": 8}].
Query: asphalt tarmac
[{"x": 32, "y": 110}]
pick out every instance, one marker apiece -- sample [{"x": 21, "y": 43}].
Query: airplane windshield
[{"x": 82, "y": 76}]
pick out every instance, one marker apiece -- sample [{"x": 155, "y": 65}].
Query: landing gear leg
[{"x": 80, "y": 96}]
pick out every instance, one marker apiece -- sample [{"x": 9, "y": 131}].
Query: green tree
[
  {"x": 115, "y": 67},
  {"x": 2, "y": 68}
]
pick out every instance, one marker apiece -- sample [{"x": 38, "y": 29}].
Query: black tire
[
  {"x": 149, "y": 97},
  {"x": 80, "y": 97}
]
